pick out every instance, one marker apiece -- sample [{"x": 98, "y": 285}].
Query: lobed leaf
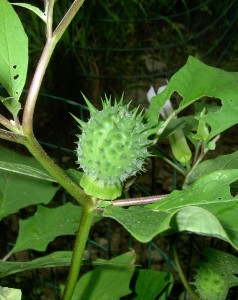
[
  {"x": 39, "y": 230},
  {"x": 194, "y": 81},
  {"x": 207, "y": 207}
]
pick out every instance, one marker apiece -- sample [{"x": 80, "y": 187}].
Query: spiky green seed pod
[
  {"x": 113, "y": 147},
  {"x": 210, "y": 285}
]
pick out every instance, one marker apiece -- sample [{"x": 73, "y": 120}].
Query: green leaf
[
  {"x": 109, "y": 282},
  {"x": 207, "y": 207},
  {"x": 10, "y": 294},
  {"x": 211, "y": 192},
  {"x": 25, "y": 170},
  {"x": 13, "y": 53},
  {"x": 141, "y": 222},
  {"x": 222, "y": 162},
  {"x": 35, "y": 9},
  {"x": 39, "y": 230},
  {"x": 194, "y": 81},
  {"x": 17, "y": 191},
  {"x": 200, "y": 221},
  {"x": 211, "y": 189},
  {"x": 180, "y": 148},
  {"x": 11, "y": 104},
  {"x": 56, "y": 259},
  {"x": 150, "y": 284}
]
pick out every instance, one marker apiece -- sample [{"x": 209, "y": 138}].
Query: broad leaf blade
[
  {"x": 25, "y": 170},
  {"x": 15, "y": 191},
  {"x": 56, "y": 259},
  {"x": 196, "y": 80},
  {"x": 142, "y": 223},
  {"x": 207, "y": 207},
  {"x": 109, "y": 282},
  {"x": 212, "y": 189},
  {"x": 47, "y": 223},
  {"x": 222, "y": 162},
  {"x": 211, "y": 192},
  {"x": 150, "y": 284},
  {"x": 13, "y": 51},
  {"x": 190, "y": 219}
]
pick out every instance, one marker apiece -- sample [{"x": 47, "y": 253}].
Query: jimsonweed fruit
[
  {"x": 112, "y": 147},
  {"x": 210, "y": 285}
]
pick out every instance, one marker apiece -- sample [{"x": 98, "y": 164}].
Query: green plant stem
[
  {"x": 138, "y": 201},
  {"x": 79, "y": 247},
  {"x": 12, "y": 137},
  {"x": 52, "y": 40},
  {"x": 49, "y": 22},
  {"x": 181, "y": 274},
  {"x": 27, "y": 122},
  {"x": 57, "y": 173},
  {"x": 174, "y": 165},
  {"x": 6, "y": 123},
  {"x": 28, "y": 113},
  {"x": 60, "y": 29},
  {"x": 27, "y": 128}
]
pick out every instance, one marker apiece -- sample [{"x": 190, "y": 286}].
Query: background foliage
[{"x": 115, "y": 46}]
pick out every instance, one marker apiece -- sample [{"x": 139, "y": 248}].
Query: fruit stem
[
  {"x": 138, "y": 201},
  {"x": 181, "y": 274},
  {"x": 80, "y": 243}
]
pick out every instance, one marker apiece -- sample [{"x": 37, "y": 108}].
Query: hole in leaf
[
  {"x": 234, "y": 188},
  {"x": 175, "y": 100},
  {"x": 16, "y": 76},
  {"x": 14, "y": 66}
]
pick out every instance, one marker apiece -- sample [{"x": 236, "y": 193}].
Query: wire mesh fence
[{"x": 114, "y": 47}]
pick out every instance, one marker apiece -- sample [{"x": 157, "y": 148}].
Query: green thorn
[
  {"x": 81, "y": 123},
  {"x": 91, "y": 108}
]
